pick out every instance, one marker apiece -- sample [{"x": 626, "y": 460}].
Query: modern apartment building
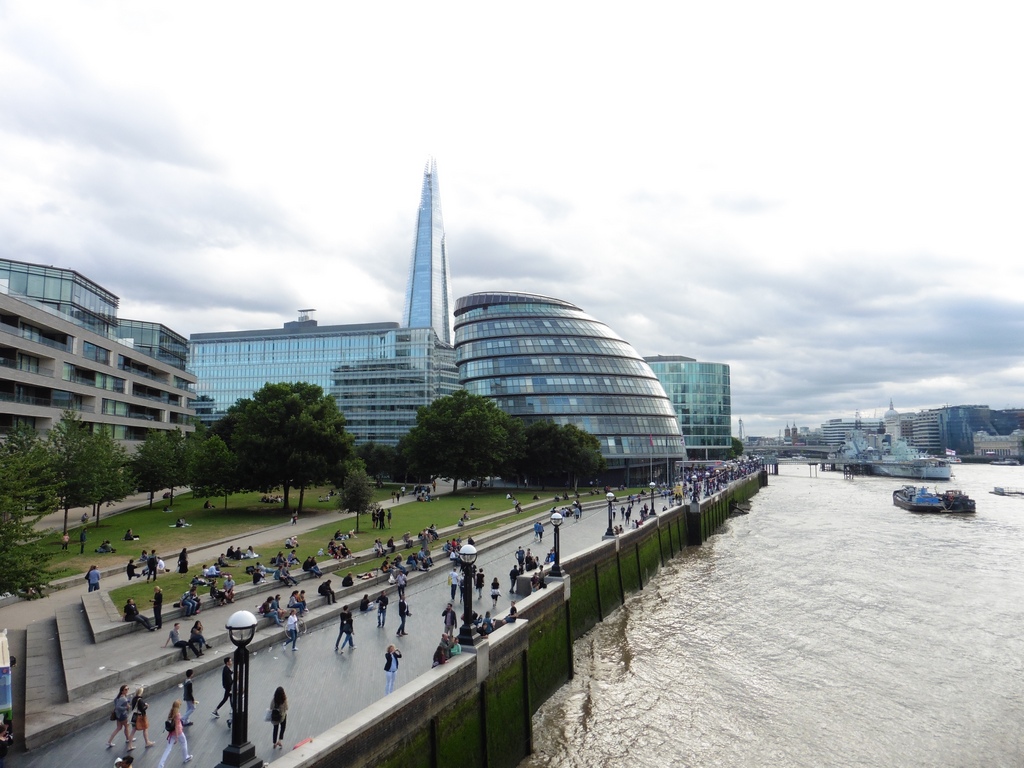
[{"x": 62, "y": 347}]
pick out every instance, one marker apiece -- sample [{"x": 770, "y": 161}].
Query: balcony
[
  {"x": 141, "y": 372},
  {"x": 45, "y": 402},
  {"x": 16, "y": 366}
]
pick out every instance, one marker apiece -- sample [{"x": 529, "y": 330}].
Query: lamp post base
[{"x": 240, "y": 756}]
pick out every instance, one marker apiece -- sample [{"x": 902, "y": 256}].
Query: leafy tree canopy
[
  {"x": 287, "y": 436},
  {"x": 28, "y": 491},
  {"x": 211, "y": 466},
  {"x": 560, "y": 452},
  {"x": 464, "y": 437}
]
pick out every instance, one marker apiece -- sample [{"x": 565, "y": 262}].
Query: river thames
[{"x": 825, "y": 628}]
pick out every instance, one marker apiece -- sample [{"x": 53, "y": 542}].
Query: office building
[
  {"x": 62, "y": 347},
  {"x": 541, "y": 358},
  {"x": 379, "y": 373},
  {"x": 428, "y": 296},
  {"x": 380, "y": 397},
  {"x": 701, "y": 397}
]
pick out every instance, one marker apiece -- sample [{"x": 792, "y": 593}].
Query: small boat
[
  {"x": 1001, "y": 491},
  {"x": 1005, "y": 463},
  {"x": 916, "y": 499}
]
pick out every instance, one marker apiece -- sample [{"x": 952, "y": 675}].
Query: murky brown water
[{"x": 826, "y": 628}]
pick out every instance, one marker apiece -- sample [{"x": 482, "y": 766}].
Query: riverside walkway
[{"x": 323, "y": 687}]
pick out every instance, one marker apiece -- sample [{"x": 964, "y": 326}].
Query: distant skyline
[{"x": 824, "y": 197}]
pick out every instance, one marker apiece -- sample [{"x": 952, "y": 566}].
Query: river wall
[{"x": 477, "y": 710}]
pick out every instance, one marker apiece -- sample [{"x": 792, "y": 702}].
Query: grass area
[
  {"x": 245, "y": 514},
  {"x": 155, "y": 527}
]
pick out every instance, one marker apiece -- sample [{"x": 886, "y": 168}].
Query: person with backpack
[
  {"x": 279, "y": 716},
  {"x": 175, "y": 735}
]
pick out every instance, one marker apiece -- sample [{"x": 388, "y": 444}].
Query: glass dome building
[{"x": 541, "y": 358}]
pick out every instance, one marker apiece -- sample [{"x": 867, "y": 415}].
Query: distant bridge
[{"x": 795, "y": 452}]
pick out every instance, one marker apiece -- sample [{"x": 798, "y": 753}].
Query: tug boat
[{"x": 917, "y": 499}]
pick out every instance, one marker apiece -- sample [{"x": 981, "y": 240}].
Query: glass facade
[
  {"x": 428, "y": 296},
  {"x": 380, "y": 397},
  {"x": 61, "y": 335},
  {"x": 62, "y": 291},
  {"x": 542, "y": 358},
  {"x": 234, "y": 364},
  {"x": 379, "y": 373},
  {"x": 701, "y": 397},
  {"x": 155, "y": 340}
]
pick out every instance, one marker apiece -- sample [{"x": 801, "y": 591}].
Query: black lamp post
[
  {"x": 240, "y": 753},
  {"x": 611, "y": 513},
  {"x": 467, "y": 556},
  {"x": 556, "y": 523},
  {"x": 653, "y": 486}
]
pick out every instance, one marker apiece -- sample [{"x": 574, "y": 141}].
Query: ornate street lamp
[
  {"x": 467, "y": 556},
  {"x": 556, "y": 523},
  {"x": 653, "y": 486},
  {"x": 611, "y": 513},
  {"x": 240, "y": 753}
]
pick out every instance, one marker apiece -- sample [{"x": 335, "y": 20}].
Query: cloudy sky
[{"x": 826, "y": 196}]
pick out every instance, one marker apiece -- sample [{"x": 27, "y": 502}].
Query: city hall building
[{"x": 541, "y": 358}]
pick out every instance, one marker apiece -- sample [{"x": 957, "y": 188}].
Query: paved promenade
[{"x": 323, "y": 687}]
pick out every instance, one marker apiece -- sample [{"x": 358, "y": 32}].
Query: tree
[
  {"x": 28, "y": 491},
  {"x": 211, "y": 467},
  {"x": 737, "y": 448},
  {"x": 74, "y": 474},
  {"x": 159, "y": 462},
  {"x": 553, "y": 451},
  {"x": 112, "y": 470},
  {"x": 464, "y": 437},
  {"x": 379, "y": 459},
  {"x": 288, "y": 436},
  {"x": 357, "y": 495},
  {"x": 582, "y": 454}
]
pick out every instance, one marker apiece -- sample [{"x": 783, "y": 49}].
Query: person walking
[
  {"x": 93, "y": 577},
  {"x": 391, "y": 658},
  {"x": 345, "y": 629},
  {"x": 227, "y": 678},
  {"x": 189, "y": 697},
  {"x": 292, "y": 627},
  {"x": 400, "y": 581},
  {"x": 158, "y": 607},
  {"x": 480, "y": 580},
  {"x": 495, "y": 592},
  {"x": 64, "y": 540},
  {"x": 120, "y": 716},
  {"x": 453, "y": 580},
  {"x": 140, "y": 721},
  {"x": 175, "y": 735},
  {"x": 403, "y": 612},
  {"x": 382, "y": 608},
  {"x": 82, "y": 539},
  {"x": 151, "y": 562},
  {"x": 279, "y": 716}
]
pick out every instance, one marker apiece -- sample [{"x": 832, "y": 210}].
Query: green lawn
[{"x": 245, "y": 513}]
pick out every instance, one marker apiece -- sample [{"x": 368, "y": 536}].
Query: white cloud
[{"x": 823, "y": 197}]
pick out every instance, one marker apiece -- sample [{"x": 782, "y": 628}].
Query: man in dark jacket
[{"x": 227, "y": 677}]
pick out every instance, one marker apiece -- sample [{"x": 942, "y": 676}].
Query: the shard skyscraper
[{"x": 428, "y": 298}]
